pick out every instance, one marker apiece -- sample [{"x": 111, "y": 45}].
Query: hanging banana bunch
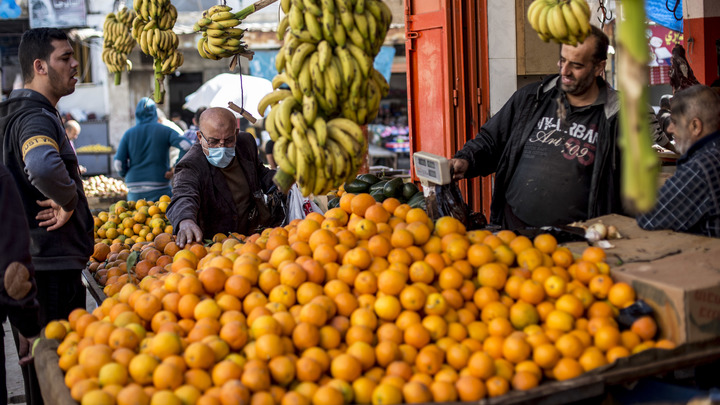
[
  {"x": 563, "y": 21},
  {"x": 118, "y": 42},
  {"x": 220, "y": 36},
  {"x": 152, "y": 28},
  {"x": 326, "y": 62}
]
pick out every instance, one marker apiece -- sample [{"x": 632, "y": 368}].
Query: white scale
[{"x": 432, "y": 170}]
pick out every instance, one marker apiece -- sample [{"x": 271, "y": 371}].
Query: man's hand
[
  {"x": 459, "y": 167},
  {"x": 188, "y": 231},
  {"x": 53, "y": 217},
  {"x": 24, "y": 351}
]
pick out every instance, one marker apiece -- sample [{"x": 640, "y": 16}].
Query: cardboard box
[
  {"x": 683, "y": 290},
  {"x": 677, "y": 274}
]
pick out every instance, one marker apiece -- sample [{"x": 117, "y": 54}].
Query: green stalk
[
  {"x": 159, "y": 93},
  {"x": 639, "y": 161},
  {"x": 283, "y": 180},
  {"x": 118, "y": 76}
]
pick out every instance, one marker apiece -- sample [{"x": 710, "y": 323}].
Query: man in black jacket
[
  {"x": 219, "y": 184},
  {"x": 37, "y": 152},
  {"x": 553, "y": 145}
]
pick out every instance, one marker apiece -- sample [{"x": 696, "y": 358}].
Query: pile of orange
[
  {"x": 132, "y": 221},
  {"x": 368, "y": 303}
]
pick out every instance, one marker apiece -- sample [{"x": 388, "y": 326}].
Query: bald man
[
  {"x": 690, "y": 200},
  {"x": 219, "y": 185}
]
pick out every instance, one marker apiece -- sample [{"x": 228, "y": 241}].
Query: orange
[
  {"x": 497, "y": 386},
  {"x": 391, "y": 282},
  {"x": 616, "y": 353},
  {"x": 523, "y": 314},
  {"x": 529, "y": 258},
  {"x": 470, "y": 388},
  {"x": 600, "y": 286},
  {"x": 562, "y": 257},
  {"x": 546, "y": 355},
  {"x": 606, "y": 337},
  {"x": 386, "y": 394},
  {"x": 585, "y": 271},
  {"x": 665, "y": 344},
  {"x": 600, "y": 309},
  {"x": 481, "y": 365},
  {"x": 420, "y": 231},
  {"x": 360, "y": 203},
  {"x": 516, "y": 349},
  {"x": 645, "y": 327},
  {"x": 555, "y": 286},
  {"x": 621, "y": 295},
  {"x": 566, "y": 369},
  {"x": 592, "y": 358},
  {"x": 492, "y": 275},
  {"x": 560, "y": 320},
  {"x": 525, "y": 380},
  {"x": 545, "y": 243},
  {"x": 570, "y": 346},
  {"x": 570, "y": 304},
  {"x": 594, "y": 254}
]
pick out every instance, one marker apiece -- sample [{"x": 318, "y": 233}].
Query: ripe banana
[
  {"x": 563, "y": 21},
  {"x": 219, "y": 24},
  {"x": 118, "y": 41},
  {"x": 327, "y": 63}
]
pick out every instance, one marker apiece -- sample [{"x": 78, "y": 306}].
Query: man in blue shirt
[
  {"x": 142, "y": 157},
  {"x": 690, "y": 200}
]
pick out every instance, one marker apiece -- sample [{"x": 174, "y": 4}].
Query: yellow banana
[
  {"x": 324, "y": 54},
  {"x": 534, "y": 12},
  {"x": 348, "y": 71},
  {"x": 296, "y": 19},
  {"x": 318, "y": 80},
  {"x": 584, "y": 7},
  {"x": 318, "y": 155},
  {"x": 344, "y": 8},
  {"x": 310, "y": 108},
  {"x": 280, "y": 155},
  {"x": 345, "y": 140},
  {"x": 339, "y": 35},
  {"x": 329, "y": 169},
  {"x": 328, "y": 27},
  {"x": 304, "y": 78},
  {"x": 583, "y": 20},
  {"x": 350, "y": 127},
  {"x": 364, "y": 61},
  {"x": 328, "y": 6},
  {"x": 313, "y": 26},
  {"x": 320, "y": 127},
  {"x": 271, "y": 99},
  {"x": 301, "y": 143},
  {"x": 216, "y": 9},
  {"x": 543, "y": 22},
  {"x": 312, "y": 7},
  {"x": 286, "y": 108},
  {"x": 298, "y": 58},
  {"x": 285, "y": 6},
  {"x": 222, "y": 15},
  {"x": 292, "y": 152},
  {"x": 282, "y": 27},
  {"x": 357, "y": 39},
  {"x": 217, "y": 41},
  {"x": 572, "y": 22},
  {"x": 556, "y": 23}
]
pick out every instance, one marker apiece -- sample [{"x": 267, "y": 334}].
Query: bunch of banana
[
  {"x": 220, "y": 36},
  {"x": 152, "y": 28},
  {"x": 326, "y": 61},
  {"x": 563, "y": 21},
  {"x": 118, "y": 42}
]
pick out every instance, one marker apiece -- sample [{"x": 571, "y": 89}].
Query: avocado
[
  {"x": 368, "y": 178},
  {"x": 393, "y": 188},
  {"x": 409, "y": 190},
  {"x": 357, "y": 186}
]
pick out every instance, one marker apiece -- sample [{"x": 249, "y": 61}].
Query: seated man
[
  {"x": 690, "y": 200},
  {"x": 218, "y": 186}
]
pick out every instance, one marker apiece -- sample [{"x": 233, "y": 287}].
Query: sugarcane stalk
[{"x": 639, "y": 161}]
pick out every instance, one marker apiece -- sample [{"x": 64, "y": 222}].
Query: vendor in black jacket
[
  {"x": 219, "y": 184},
  {"x": 553, "y": 145}
]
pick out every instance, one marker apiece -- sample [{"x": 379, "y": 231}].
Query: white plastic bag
[{"x": 299, "y": 206}]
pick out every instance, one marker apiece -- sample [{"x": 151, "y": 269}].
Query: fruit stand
[{"x": 626, "y": 254}]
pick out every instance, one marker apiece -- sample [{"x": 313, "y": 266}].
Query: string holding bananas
[
  {"x": 563, "y": 21},
  {"x": 152, "y": 29},
  {"x": 118, "y": 42},
  {"x": 220, "y": 36},
  {"x": 326, "y": 63}
]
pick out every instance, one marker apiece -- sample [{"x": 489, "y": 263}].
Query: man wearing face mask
[
  {"x": 219, "y": 185},
  {"x": 690, "y": 200}
]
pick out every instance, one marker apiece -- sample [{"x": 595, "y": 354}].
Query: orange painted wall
[{"x": 700, "y": 35}]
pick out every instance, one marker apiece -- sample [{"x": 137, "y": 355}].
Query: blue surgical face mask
[{"x": 220, "y": 157}]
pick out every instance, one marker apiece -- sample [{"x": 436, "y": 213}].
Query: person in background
[
  {"x": 663, "y": 115},
  {"x": 219, "y": 186},
  {"x": 72, "y": 130},
  {"x": 18, "y": 290},
  {"x": 37, "y": 152},
  {"x": 681, "y": 74},
  {"x": 142, "y": 156},
  {"x": 191, "y": 133},
  {"x": 689, "y": 201},
  {"x": 269, "y": 154},
  {"x": 176, "y": 117},
  {"x": 554, "y": 140}
]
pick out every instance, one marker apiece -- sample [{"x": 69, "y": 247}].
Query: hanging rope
[
  {"x": 606, "y": 15},
  {"x": 674, "y": 9}
]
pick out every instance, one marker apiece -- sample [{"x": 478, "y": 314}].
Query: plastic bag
[
  {"x": 298, "y": 206},
  {"x": 447, "y": 201},
  {"x": 276, "y": 204}
]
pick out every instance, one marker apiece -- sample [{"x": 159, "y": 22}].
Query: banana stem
[
  {"x": 118, "y": 76},
  {"x": 283, "y": 180},
  {"x": 159, "y": 93},
  {"x": 639, "y": 161}
]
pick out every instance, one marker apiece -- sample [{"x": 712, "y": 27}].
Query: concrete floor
[{"x": 14, "y": 378}]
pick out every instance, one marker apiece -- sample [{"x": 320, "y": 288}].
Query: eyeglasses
[{"x": 214, "y": 142}]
